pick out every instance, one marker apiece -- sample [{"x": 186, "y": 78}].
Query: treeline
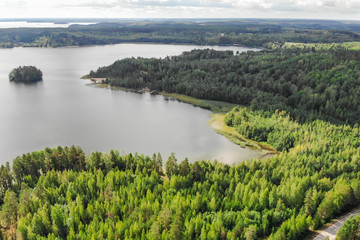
[
  {"x": 309, "y": 84},
  {"x": 245, "y": 33},
  {"x": 63, "y": 193}
]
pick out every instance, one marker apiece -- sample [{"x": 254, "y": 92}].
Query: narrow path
[{"x": 331, "y": 230}]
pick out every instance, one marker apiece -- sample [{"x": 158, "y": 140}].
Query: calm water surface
[{"x": 62, "y": 110}]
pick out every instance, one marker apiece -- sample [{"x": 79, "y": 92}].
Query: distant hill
[{"x": 243, "y": 32}]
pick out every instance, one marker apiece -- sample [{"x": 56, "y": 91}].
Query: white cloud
[{"x": 343, "y": 9}]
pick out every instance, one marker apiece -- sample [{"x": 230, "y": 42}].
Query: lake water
[{"x": 63, "y": 110}]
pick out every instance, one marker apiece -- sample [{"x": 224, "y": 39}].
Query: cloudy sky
[{"x": 314, "y": 9}]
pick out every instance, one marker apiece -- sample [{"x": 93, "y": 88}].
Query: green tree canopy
[{"x": 25, "y": 74}]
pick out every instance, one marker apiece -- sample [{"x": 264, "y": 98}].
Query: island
[{"x": 26, "y": 74}]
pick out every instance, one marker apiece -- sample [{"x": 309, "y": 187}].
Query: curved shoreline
[
  {"x": 11, "y": 45},
  {"x": 216, "y": 122}
]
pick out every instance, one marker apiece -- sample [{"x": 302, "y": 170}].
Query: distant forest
[
  {"x": 244, "y": 32},
  {"x": 308, "y": 83}
]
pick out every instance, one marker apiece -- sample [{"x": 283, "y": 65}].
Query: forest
[
  {"x": 244, "y": 32},
  {"x": 64, "y": 193},
  {"x": 308, "y": 83}
]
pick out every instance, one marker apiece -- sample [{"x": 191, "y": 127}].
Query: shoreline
[
  {"x": 253, "y": 48},
  {"x": 218, "y": 124},
  {"x": 216, "y": 121}
]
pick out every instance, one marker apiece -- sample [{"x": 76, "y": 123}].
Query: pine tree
[{"x": 9, "y": 209}]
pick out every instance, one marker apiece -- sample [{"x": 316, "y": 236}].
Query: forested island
[{"x": 25, "y": 74}]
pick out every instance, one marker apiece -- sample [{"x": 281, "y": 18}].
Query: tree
[
  {"x": 171, "y": 166},
  {"x": 159, "y": 162},
  {"x": 155, "y": 230},
  {"x": 24, "y": 200},
  {"x": 154, "y": 163},
  {"x": 9, "y": 209},
  {"x": 38, "y": 226},
  {"x": 203, "y": 235},
  {"x": 165, "y": 218},
  {"x": 212, "y": 204},
  {"x": 177, "y": 227},
  {"x": 184, "y": 168},
  {"x": 76, "y": 158},
  {"x": 197, "y": 171},
  {"x": 310, "y": 202},
  {"x": 95, "y": 161},
  {"x": 250, "y": 233},
  {"x": 6, "y": 179},
  {"x": 59, "y": 220}
]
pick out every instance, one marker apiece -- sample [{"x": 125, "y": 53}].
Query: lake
[{"x": 63, "y": 110}]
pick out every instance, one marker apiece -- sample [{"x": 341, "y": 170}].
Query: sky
[{"x": 308, "y": 9}]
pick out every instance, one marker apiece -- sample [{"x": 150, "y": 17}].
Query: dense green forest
[
  {"x": 308, "y": 83},
  {"x": 245, "y": 32},
  {"x": 63, "y": 193},
  {"x": 26, "y": 74}
]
